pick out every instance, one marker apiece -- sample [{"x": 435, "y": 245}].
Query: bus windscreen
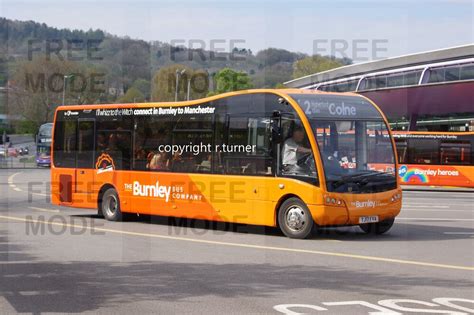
[{"x": 354, "y": 143}]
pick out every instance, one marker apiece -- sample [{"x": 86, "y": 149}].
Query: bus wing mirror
[{"x": 276, "y": 130}]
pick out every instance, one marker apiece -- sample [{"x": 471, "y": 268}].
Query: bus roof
[{"x": 281, "y": 92}]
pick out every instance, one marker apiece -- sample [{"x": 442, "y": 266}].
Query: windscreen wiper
[
  {"x": 367, "y": 174},
  {"x": 357, "y": 175},
  {"x": 361, "y": 179}
]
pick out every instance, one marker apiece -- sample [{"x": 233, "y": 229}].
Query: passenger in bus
[
  {"x": 140, "y": 154},
  {"x": 101, "y": 142},
  {"x": 112, "y": 145},
  {"x": 158, "y": 162},
  {"x": 140, "y": 158},
  {"x": 177, "y": 163},
  {"x": 123, "y": 138},
  {"x": 205, "y": 165},
  {"x": 293, "y": 148},
  {"x": 148, "y": 159}
]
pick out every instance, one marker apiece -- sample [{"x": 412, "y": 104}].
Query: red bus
[{"x": 435, "y": 158}]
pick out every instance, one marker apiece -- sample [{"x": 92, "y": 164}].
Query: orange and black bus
[
  {"x": 435, "y": 158},
  {"x": 262, "y": 157}
]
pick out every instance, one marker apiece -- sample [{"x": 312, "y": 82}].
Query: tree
[
  {"x": 143, "y": 86},
  {"x": 271, "y": 56},
  {"x": 227, "y": 80},
  {"x": 280, "y": 86},
  {"x": 272, "y": 75},
  {"x": 314, "y": 64},
  {"x": 164, "y": 83},
  {"x": 36, "y": 88},
  {"x": 134, "y": 58},
  {"x": 133, "y": 95}
]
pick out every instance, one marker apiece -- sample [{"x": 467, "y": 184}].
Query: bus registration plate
[{"x": 370, "y": 219}]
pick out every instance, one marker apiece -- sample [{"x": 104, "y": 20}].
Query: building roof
[{"x": 447, "y": 54}]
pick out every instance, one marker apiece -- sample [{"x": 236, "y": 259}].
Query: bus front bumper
[{"x": 356, "y": 209}]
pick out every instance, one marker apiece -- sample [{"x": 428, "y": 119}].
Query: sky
[{"x": 361, "y": 30}]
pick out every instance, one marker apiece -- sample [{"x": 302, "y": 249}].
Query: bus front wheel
[
  {"x": 110, "y": 205},
  {"x": 294, "y": 219},
  {"x": 377, "y": 228}
]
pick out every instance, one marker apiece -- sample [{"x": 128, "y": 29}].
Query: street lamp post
[
  {"x": 65, "y": 78},
  {"x": 188, "y": 89},
  {"x": 178, "y": 74}
]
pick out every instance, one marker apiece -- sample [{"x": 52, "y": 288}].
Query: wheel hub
[
  {"x": 295, "y": 218},
  {"x": 111, "y": 205}
]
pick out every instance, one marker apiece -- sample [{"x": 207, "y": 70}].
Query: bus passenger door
[{"x": 85, "y": 170}]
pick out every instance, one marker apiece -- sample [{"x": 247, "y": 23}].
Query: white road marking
[
  {"x": 35, "y": 293},
  {"x": 250, "y": 246},
  {"x": 432, "y": 201},
  {"x": 388, "y": 306},
  {"x": 12, "y": 185},
  {"x": 428, "y": 210},
  {"x": 459, "y": 233},
  {"x": 451, "y": 203},
  {"x": 433, "y": 219},
  {"x": 10, "y": 179},
  {"x": 466, "y": 196},
  {"x": 44, "y": 210},
  {"x": 417, "y": 192},
  {"x": 425, "y": 206}
]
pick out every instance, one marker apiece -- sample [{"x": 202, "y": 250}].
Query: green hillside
[{"x": 34, "y": 57}]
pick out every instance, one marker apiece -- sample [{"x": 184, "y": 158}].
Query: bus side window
[
  {"x": 455, "y": 152},
  {"x": 117, "y": 144},
  {"x": 114, "y": 137},
  {"x": 85, "y": 144},
  {"x": 401, "y": 146},
  {"x": 65, "y": 143},
  {"x": 190, "y": 135},
  {"x": 423, "y": 151},
  {"x": 296, "y": 156},
  {"x": 149, "y": 133},
  {"x": 247, "y": 149},
  {"x": 195, "y": 134}
]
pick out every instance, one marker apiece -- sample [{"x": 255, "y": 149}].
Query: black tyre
[
  {"x": 377, "y": 228},
  {"x": 294, "y": 219},
  {"x": 110, "y": 205}
]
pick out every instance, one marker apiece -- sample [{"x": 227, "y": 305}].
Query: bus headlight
[
  {"x": 333, "y": 201},
  {"x": 396, "y": 197}
]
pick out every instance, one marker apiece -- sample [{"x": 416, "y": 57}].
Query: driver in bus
[{"x": 293, "y": 150}]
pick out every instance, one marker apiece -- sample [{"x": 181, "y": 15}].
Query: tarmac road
[{"x": 67, "y": 260}]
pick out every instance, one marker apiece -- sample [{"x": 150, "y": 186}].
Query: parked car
[
  {"x": 23, "y": 150},
  {"x": 13, "y": 152},
  {"x": 3, "y": 151}
]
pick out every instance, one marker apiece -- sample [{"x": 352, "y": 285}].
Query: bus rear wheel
[
  {"x": 377, "y": 228},
  {"x": 110, "y": 205},
  {"x": 294, "y": 219}
]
